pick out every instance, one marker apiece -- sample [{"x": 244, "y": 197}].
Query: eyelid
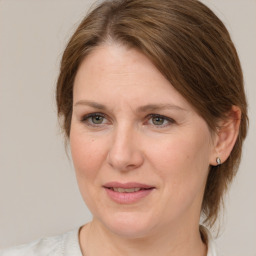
[
  {"x": 85, "y": 119},
  {"x": 170, "y": 120}
]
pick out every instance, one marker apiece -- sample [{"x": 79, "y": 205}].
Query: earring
[{"x": 218, "y": 161}]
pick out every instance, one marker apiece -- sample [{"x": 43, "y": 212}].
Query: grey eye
[
  {"x": 157, "y": 120},
  {"x": 97, "y": 119}
]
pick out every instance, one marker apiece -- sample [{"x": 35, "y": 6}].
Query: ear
[{"x": 226, "y": 135}]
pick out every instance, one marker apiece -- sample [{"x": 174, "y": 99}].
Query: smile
[
  {"x": 126, "y": 190},
  {"x": 127, "y": 193}
]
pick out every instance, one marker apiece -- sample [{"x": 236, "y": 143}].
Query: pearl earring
[{"x": 218, "y": 161}]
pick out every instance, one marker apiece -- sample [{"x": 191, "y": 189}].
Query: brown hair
[{"x": 190, "y": 46}]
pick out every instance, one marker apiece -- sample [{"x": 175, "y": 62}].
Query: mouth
[
  {"x": 127, "y": 190},
  {"x": 127, "y": 193},
  {"x": 129, "y": 187}
]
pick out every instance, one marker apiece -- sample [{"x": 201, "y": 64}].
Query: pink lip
[
  {"x": 130, "y": 197},
  {"x": 126, "y": 185}
]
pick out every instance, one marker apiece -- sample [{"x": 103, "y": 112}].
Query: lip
[
  {"x": 127, "y": 197},
  {"x": 127, "y": 185}
]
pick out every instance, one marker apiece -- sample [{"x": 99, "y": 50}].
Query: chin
[{"x": 129, "y": 225}]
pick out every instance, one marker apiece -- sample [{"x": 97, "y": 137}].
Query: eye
[
  {"x": 94, "y": 119},
  {"x": 159, "y": 120},
  {"x": 97, "y": 119}
]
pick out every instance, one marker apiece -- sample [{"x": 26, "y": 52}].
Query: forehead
[
  {"x": 115, "y": 59},
  {"x": 118, "y": 71}
]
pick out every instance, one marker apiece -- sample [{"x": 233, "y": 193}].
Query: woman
[{"x": 151, "y": 98}]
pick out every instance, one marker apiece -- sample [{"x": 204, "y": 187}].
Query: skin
[{"x": 124, "y": 143}]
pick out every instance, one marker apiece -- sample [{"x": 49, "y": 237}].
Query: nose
[{"x": 125, "y": 152}]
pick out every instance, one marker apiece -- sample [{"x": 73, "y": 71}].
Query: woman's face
[{"x": 140, "y": 151}]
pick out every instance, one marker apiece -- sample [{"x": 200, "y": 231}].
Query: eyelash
[
  {"x": 86, "y": 119},
  {"x": 164, "y": 118}
]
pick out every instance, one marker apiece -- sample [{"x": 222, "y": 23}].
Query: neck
[{"x": 96, "y": 240}]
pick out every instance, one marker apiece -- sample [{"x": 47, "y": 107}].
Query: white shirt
[{"x": 68, "y": 245}]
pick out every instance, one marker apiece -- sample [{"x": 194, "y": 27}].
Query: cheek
[
  {"x": 87, "y": 155},
  {"x": 182, "y": 161}
]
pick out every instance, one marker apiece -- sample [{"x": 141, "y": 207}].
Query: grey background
[{"x": 38, "y": 191}]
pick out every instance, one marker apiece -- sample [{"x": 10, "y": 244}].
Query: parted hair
[{"x": 190, "y": 46}]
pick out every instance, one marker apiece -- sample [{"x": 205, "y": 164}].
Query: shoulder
[{"x": 65, "y": 244}]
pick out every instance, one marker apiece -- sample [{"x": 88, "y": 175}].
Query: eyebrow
[
  {"x": 155, "y": 107},
  {"x": 145, "y": 108},
  {"x": 90, "y": 104}
]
